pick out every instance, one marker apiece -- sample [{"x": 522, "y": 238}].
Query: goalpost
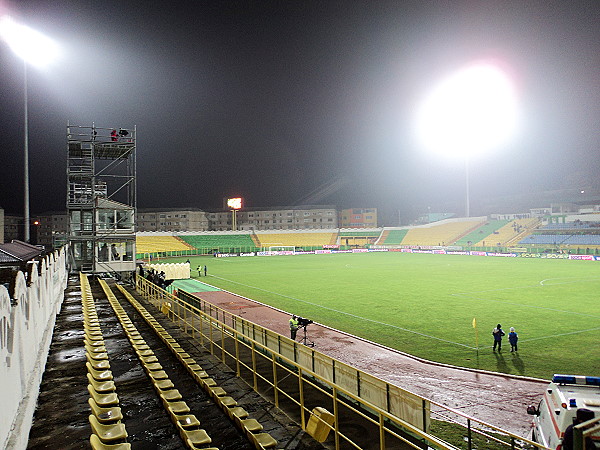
[{"x": 281, "y": 248}]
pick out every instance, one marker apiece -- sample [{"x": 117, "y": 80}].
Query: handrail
[{"x": 259, "y": 337}]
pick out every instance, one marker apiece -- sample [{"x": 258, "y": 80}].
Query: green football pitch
[{"x": 425, "y": 304}]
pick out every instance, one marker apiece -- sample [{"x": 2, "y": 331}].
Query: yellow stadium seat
[
  {"x": 98, "y": 365},
  {"x": 227, "y": 401},
  {"x": 195, "y": 437},
  {"x": 105, "y": 414},
  {"x": 97, "y": 444},
  {"x": 171, "y": 395},
  {"x": 164, "y": 384},
  {"x": 108, "y": 433},
  {"x": 103, "y": 400},
  {"x": 251, "y": 425},
  {"x": 101, "y": 386},
  {"x": 237, "y": 411},
  {"x": 100, "y": 375},
  {"x": 187, "y": 421},
  {"x": 262, "y": 440}
]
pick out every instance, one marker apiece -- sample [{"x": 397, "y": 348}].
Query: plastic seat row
[
  {"x": 187, "y": 424},
  {"x": 108, "y": 430},
  {"x": 251, "y": 427}
]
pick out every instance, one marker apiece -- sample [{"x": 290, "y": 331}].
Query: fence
[
  {"x": 212, "y": 250},
  {"x": 293, "y": 375}
]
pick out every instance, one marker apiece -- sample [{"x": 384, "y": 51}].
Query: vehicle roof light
[{"x": 576, "y": 379}]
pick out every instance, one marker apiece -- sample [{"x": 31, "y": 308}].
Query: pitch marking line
[
  {"x": 522, "y": 305},
  {"x": 348, "y": 314},
  {"x": 541, "y": 283}
]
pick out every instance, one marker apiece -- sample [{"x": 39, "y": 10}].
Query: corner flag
[{"x": 474, "y": 322}]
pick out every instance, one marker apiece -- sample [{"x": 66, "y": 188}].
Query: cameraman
[{"x": 293, "y": 327}]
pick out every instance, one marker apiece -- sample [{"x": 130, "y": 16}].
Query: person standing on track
[
  {"x": 205, "y": 269},
  {"x": 293, "y": 327},
  {"x": 497, "y": 333}
]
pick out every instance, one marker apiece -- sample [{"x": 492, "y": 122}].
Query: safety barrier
[
  {"x": 28, "y": 312},
  {"x": 291, "y": 371},
  {"x": 264, "y": 358}
]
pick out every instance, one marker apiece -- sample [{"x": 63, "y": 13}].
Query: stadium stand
[
  {"x": 155, "y": 244},
  {"x": 445, "y": 233},
  {"x": 561, "y": 239},
  {"x": 222, "y": 242},
  {"x": 572, "y": 226},
  {"x": 482, "y": 232},
  {"x": 107, "y": 429},
  {"x": 510, "y": 232},
  {"x": 358, "y": 237},
  {"x": 392, "y": 237},
  {"x": 296, "y": 239},
  {"x": 251, "y": 427},
  {"x": 179, "y": 412}
]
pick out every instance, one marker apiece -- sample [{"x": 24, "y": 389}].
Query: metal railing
[{"x": 297, "y": 378}]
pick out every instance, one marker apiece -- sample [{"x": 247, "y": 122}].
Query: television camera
[{"x": 303, "y": 323}]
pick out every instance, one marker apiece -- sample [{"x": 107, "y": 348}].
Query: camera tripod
[{"x": 305, "y": 340}]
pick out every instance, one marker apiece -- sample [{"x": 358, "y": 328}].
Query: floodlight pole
[
  {"x": 26, "y": 230},
  {"x": 468, "y": 202}
]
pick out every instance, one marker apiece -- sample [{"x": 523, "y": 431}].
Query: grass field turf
[{"x": 424, "y": 304}]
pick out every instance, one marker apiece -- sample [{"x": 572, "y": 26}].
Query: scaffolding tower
[{"x": 101, "y": 198}]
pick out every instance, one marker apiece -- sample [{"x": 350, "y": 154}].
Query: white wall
[{"x": 26, "y": 328}]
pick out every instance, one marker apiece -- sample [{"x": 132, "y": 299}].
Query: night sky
[{"x": 295, "y": 102}]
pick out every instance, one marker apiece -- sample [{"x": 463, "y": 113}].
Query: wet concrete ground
[{"x": 61, "y": 418}]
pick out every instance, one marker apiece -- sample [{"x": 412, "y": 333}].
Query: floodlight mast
[
  {"x": 468, "y": 113},
  {"x": 36, "y": 49}
]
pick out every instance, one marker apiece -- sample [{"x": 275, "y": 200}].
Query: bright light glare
[
  {"x": 30, "y": 45},
  {"x": 470, "y": 112}
]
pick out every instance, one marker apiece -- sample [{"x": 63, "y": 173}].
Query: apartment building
[
  {"x": 276, "y": 218},
  {"x": 190, "y": 219}
]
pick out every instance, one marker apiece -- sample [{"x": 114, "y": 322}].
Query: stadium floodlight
[
  {"x": 37, "y": 50},
  {"x": 28, "y": 44},
  {"x": 470, "y": 112}
]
